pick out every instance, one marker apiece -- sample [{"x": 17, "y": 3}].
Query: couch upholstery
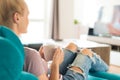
[
  {"x": 12, "y": 57},
  {"x": 103, "y": 76}
]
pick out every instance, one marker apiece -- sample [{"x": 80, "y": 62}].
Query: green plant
[{"x": 76, "y": 21}]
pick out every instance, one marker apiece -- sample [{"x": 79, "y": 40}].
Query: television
[
  {"x": 101, "y": 29},
  {"x": 108, "y": 25}
]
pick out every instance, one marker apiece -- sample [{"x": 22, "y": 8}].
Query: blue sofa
[
  {"x": 103, "y": 76},
  {"x": 12, "y": 59}
]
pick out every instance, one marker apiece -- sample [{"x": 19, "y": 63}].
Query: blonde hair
[{"x": 7, "y": 10}]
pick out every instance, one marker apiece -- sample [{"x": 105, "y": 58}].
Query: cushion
[
  {"x": 12, "y": 57},
  {"x": 95, "y": 78},
  {"x": 106, "y": 75},
  {"x": 11, "y": 62},
  {"x": 9, "y": 34}
]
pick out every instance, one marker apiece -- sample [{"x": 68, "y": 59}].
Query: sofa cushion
[
  {"x": 95, "y": 78},
  {"x": 11, "y": 62},
  {"x": 9, "y": 34},
  {"x": 106, "y": 75},
  {"x": 12, "y": 57}
]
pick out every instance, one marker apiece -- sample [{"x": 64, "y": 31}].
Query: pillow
[{"x": 12, "y": 57}]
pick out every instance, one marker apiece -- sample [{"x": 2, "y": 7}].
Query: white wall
[{"x": 66, "y": 19}]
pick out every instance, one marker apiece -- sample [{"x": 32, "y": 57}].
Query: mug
[{"x": 49, "y": 50}]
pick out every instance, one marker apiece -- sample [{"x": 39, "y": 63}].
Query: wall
[{"x": 66, "y": 19}]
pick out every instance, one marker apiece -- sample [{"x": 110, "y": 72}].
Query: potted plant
[
  {"x": 77, "y": 28},
  {"x": 76, "y": 22}
]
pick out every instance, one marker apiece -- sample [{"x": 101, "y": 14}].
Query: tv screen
[{"x": 111, "y": 27}]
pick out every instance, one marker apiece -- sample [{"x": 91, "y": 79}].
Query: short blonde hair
[{"x": 7, "y": 10}]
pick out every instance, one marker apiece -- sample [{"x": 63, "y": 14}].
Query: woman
[
  {"x": 79, "y": 60},
  {"x": 14, "y": 14}
]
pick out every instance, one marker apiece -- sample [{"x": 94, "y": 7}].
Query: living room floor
[
  {"x": 114, "y": 62},
  {"x": 114, "y": 69}
]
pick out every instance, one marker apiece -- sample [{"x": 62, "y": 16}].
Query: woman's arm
[
  {"x": 43, "y": 77},
  {"x": 57, "y": 60}
]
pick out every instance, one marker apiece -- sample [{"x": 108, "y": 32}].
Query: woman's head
[{"x": 14, "y": 14}]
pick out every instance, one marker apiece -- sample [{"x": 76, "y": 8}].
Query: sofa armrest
[
  {"x": 27, "y": 76},
  {"x": 34, "y": 45},
  {"x": 106, "y": 75},
  {"x": 95, "y": 78}
]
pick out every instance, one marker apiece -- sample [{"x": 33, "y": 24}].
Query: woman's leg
[
  {"x": 83, "y": 62},
  {"x": 71, "y": 75},
  {"x": 69, "y": 57},
  {"x": 98, "y": 64}
]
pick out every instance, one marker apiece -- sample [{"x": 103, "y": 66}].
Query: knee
[
  {"x": 87, "y": 52},
  {"x": 76, "y": 69}
]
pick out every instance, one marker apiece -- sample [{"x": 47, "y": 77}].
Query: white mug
[{"x": 49, "y": 50}]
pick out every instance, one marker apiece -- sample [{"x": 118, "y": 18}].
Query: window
[{"x": 39, "y": 17}]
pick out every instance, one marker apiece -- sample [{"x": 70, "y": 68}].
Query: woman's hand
[
  {"x": 41, "y": 52},
  {"x": 58, "y": 57},
  {"x": 57, "y": 60}
]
